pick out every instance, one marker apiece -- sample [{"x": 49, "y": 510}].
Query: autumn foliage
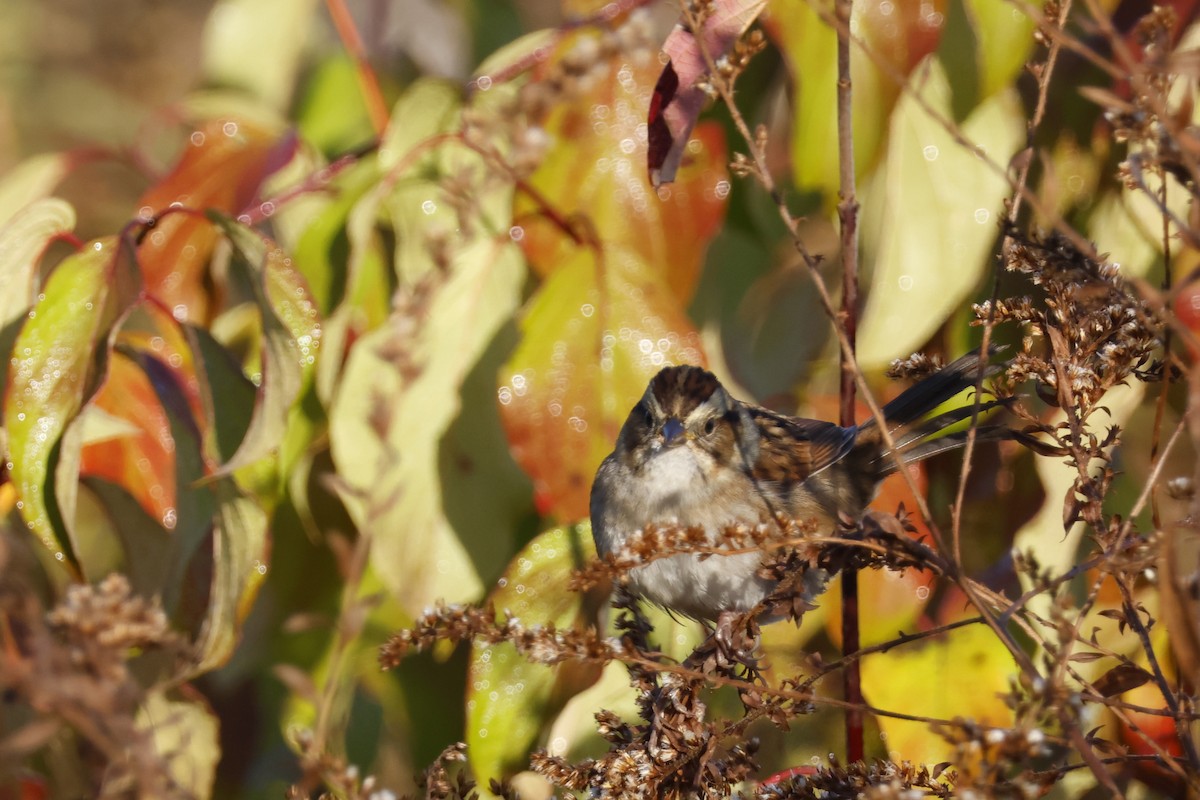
[{"x": 327, "y": 389}]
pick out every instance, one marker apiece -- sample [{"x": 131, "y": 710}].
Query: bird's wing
[{"x": 792, "y": 449}]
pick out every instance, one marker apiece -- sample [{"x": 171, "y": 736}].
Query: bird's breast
[
  {"x": 688, "y": 487},
  {"x": 670, "y": 478}
]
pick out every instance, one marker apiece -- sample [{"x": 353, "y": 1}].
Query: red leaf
[{"x": 678, "y": 99}]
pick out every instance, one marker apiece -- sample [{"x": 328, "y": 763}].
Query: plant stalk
[{"x": 848, "y": 219}]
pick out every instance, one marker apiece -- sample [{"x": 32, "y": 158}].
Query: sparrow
[{"x": 690, "y": 454}]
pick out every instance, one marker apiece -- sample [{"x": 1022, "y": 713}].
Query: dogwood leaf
[
  {"x": 932, "y": 215},
  {"x": 55, "y": 367},
  {"x": 510, "y": 698}
]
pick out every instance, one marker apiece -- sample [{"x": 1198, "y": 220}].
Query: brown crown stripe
[{"x": 679, "y": 390}]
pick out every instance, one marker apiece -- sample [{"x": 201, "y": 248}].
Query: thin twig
[
  {"x": 848, "y": 219},
  {"x": 1134, "y": 619},
  {"x": 343, "y": 20},
  {"x": 1160, "y": 406}
]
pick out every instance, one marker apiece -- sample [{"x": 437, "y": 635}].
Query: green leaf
[
  {"x": 174, "y": 564},
  {"x": 409, "y": 158},
  {"x": 208, "y": 566},
  {"x": 510, "y": 699},
  {"x": 331, "y": 112},
  {"x": 217, "y": 552},
  {"x": 188, "y": 583},
  {"x": 388, "y": 422},
  {"x": 290, "y": 220},
  {"x": 63, "y": 488},
  {"x": 405, "y": 188},
  {"x": 400, "y": 391},
  {"x": 900, "y": 33},
  {"x": 54, "y": 370},
  {"x": 757, "y": 306},
  {"x": 931, "y": 216},
  {"x": 95, "y": 537},
  {"x": 230, "y": 400},
  {"x": 810, "y": 47},
  {"x": 291, "y": 334},
  {"x": 342, "y": 258},
  {"x": 149, "y": 548},
  {"x": 410, "y": 192},
  {"x": 288, "y": 296},
  {"x": 349, "y": 664},
  {"x": 1004, "y": 37},
  {"x": 239, "y": 550},
  {"x": 322, "y": 248},
  {"x": 428, "y": 108}
]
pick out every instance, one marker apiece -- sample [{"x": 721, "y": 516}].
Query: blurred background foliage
[{"x": 299, "y": 378}]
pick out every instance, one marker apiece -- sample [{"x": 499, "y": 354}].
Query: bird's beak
[{"x": 672, "y": 431}]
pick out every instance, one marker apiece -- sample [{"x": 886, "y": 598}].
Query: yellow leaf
[
  {"x": 961, "y": 674},
  {"x": 402, "y": 386},
  {"x": 23, "y": 239},
  {"x": 931, "y": 216},
  {"x": 257, "y": 45},
  {"x": 185, "y": 734}
]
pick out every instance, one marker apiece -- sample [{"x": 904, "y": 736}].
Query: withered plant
[{"x": 1078, "y": 328}]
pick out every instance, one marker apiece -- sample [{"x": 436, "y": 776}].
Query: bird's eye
[
  {"x": 710, "y": 426},
  {"x": 647, "y": 415}
]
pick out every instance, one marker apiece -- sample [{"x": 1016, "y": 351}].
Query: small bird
[{"x": 690, "y": 454}]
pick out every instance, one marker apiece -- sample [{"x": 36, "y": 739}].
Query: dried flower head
[{"x": 1094, "y": 330}]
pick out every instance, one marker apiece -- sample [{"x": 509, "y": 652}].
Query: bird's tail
[{"x": 915, "y": 434}]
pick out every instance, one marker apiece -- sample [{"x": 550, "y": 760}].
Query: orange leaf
[
  {"x": 143, "y": 463},
  {"x": 610, "y": 312},
  {"x": 889, "y": 602},
  {"x": 594, "y": 178},
  {"x": 592, "y": 338},
  {"x": 904, "y": 31},
  {"x": 222, "y": 169},
  {"x": 1146, "y": 728}
]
